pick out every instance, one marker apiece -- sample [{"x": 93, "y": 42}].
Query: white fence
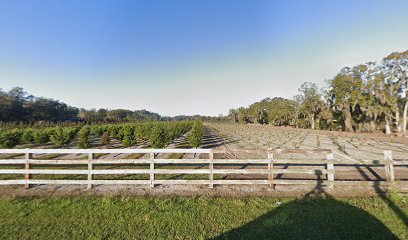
[{"x": 263, "y": 174}]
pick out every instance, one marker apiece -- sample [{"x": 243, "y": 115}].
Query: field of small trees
[{"x": 146, "y": 134}]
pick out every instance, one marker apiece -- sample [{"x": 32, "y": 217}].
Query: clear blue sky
[{"x": 186, "y": 57}]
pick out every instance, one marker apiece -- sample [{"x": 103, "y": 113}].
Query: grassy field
[{"x": 203, "y": 218}]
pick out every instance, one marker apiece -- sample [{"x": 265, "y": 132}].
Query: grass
[
  {"x": 98, "y": 155},
  {"x": 130, "y": 217},
  {"x": 175, "y": 156},
  {"x": 133, "y": 156},
  {"x": 10, "y": 156},
  {"x": 48, "y": 156}
]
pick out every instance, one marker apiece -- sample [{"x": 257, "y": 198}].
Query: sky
[{"x": 184, "y": 57}]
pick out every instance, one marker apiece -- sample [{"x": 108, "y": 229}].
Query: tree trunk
[
  {"x": 387, "y": 126},
  {"x": 312, "y": 121},
  {"x": 397, "y": 121},
  {"x": 347, "y": 120},
  {"x": 372, "y": 126},
  {"x": 404, "y": 119}
]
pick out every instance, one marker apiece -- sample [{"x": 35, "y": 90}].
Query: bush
[
  {"x": 62, "y": 136},
  {"x": 196, "y": 136},
  {"x": 28, "y": 136},
  {"x": 10, "y": 139},
  {"x": 84, "y": 138},
  {"x": 116, "y": 132},
  {"x": 41, "y": 136},
  {"x": 143, "y": 130},
  {"x": 113, "y": 131},
  {"x": 120, "y": 133},
  {"x": 105, "y": 138},
  {"x": 175, "y": 130},
  {"x": 129, "y": 136},
  {"x": 98, "y": 130},
  {"x": 158, "y": 136}
]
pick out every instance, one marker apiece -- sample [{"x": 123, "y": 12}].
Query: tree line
[
  {"x": 19, "y": 108},
  {"x": 368, "y": 97},
  {"x": 17, "y": 105},
  {"x": 103, "y": 115}
]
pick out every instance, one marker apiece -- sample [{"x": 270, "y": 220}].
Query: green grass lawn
[{"x": 131, "y": 217}]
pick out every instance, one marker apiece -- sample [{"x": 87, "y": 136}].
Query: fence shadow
[
  {"x": 317, "y": 216},
  {"x": 385, "y": 196}
]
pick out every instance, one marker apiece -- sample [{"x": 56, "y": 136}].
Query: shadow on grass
[
  {"x": 384, "y": 195},
  {"x": 317, "y": 216}
]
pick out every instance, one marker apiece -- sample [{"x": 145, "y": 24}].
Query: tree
[
  {"x": 41, "y": 136},
  {"x": 143, "y": 131},
  {"x": 158, "y": 136},
  {"x": 129, "y": 136},
  {"x": 28, "y": 136},
  {"x": 346, "y": 92},
  {"x": 63, "y": 136},
  {"x": 278, "y": 111},
  {"x": 196, "y": 135},
  {"x": 310, "y": 102},
  {"x": 105, "y": 138},
  {"x": 84, "y": 139},
  {"x": 263, "y": 117},
  {"x": 98, "y": 130},
  {"x": 10, "y": 139},
  {"x": 233, "y": 115},
  {"x": 396, "y": 69}
]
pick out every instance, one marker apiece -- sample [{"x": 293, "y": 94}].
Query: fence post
[
  {"x": 90, "y": 158},
  {"x": 28, "y": 156},
  {"x": 330, "y": 169},
  {"x": 389, "y": 166},
  {"x": 270, "y": 168},
  {"x": 152, "y": 170},
  {"x": 211, "y": 166}
]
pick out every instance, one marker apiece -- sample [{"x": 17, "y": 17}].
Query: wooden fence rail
[{"x": 266, "y": 168}]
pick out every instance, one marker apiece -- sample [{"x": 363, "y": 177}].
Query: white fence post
[
  {"x": 152, "y": 170},
  {"x": 211, "y": 167},
  {"x": 90, "y": 158},
  {"x": 389, "y": 166},
  {"x": 330, "y": 169},
  {"x": 28, "y": 156},
  {"x": 270, "y": 168}
]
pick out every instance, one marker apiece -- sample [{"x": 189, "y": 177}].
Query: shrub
[
  {"x": 116, "y": 132},
  {"x": 175, "y": 130},
  {"x": 170, "y": 133},
  {"x": 196, "y": 135},
  {"x": 158, "y": 136},
  {"x": 120, "y": 133},
  {"x": 129, "y": 136},
  {"x": 10, "y": 139},
  {"x": 28, "y": 136},
  {"x": 98, "y": 130},
  {"x": 84, "y": 138},
  {"x": 143, "y": 130},
  {"x": 62, "y": 136},
  {"x": 41, "y": 136},
  {"x": 105, "y": 138}
]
